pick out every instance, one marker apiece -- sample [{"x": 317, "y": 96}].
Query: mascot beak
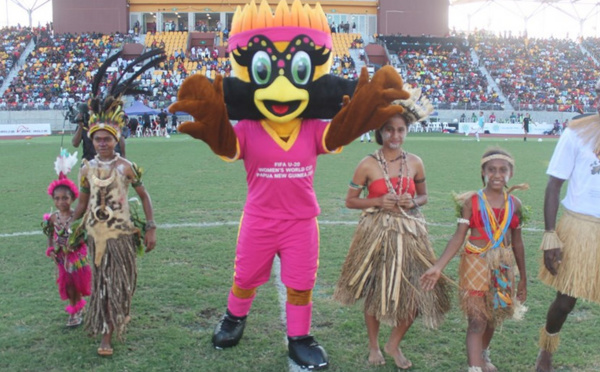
[{"x": 281, "y": 101}]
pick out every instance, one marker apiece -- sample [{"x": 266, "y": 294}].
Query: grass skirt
[
  {"x": 578, "y": 275},
  {"x": 73, "y": 271},
  {"x": 388, "y": 254},
  {"x": 114, "y": 282},
  {"x": 476, "y": 292}
]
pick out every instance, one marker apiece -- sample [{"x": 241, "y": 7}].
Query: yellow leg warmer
[
  {"x": 242, "y": 293},
  {"x": 299, "y": 298}
]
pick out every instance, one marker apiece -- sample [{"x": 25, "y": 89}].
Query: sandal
[
  {"x": 75, "y": 320},
  {"x": 105, "y": 351}
]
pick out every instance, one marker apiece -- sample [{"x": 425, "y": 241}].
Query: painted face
[
  {"x": 62, "y": 199},
  {"x": 104, "y": 143},
  {"x": 394, "y": 132},
  {"x": 496, "y": 173}
]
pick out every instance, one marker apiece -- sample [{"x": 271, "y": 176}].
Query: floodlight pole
[{"x": 28, "y": 10}]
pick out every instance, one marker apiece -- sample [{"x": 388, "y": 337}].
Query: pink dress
[{"x": 73, "y": 267}]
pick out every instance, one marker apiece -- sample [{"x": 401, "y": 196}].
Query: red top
[
  {"x": 476, "y": 222},
  {"x": 378, "y": 187}
]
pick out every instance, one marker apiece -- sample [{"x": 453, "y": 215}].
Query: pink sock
[
  {"x": 298, "y": 319},
  {"x": 71, "y": 309},
  {"x": 80, "y": 304},
  {"x": 239, "y": 306}
]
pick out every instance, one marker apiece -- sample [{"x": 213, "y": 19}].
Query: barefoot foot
[
  {"x": 489, "y": 367},
  {"x": 487, "y": 362},
  {"x": 401, "y": 361},
  {"x": 376, "y": 358},
  {"x": 543, "y": 362}
]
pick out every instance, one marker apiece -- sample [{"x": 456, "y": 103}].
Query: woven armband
[
  {"x": 84, "y": 185},
  {"x": 550, "y": 240},
  {"x": 355, "y": 186},
  {"x": 138, "y": 172}
]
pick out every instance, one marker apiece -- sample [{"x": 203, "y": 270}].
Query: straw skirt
[
  {"x": 578, "y": 275},
  {"x": 388, "y": 254}
]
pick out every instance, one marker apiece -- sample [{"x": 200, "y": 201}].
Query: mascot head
[{"x": 280, "y": 55}]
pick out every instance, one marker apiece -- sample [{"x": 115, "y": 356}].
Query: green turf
[{"x": 183, "y": 284}]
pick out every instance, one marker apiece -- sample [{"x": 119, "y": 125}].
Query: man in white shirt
[{"x": 572, "y": 251}]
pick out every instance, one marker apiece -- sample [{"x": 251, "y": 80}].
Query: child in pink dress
[{"x": 74, "y": 274}]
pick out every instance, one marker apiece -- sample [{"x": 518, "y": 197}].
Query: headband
[{"x": 498, "y": 156}]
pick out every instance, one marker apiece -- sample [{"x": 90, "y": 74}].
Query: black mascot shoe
[
  {"x": 228, "y": 331},
  {"x": 307, "y": 353}
]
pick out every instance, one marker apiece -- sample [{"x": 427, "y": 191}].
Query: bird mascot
[{"x": 282, "y": 96}]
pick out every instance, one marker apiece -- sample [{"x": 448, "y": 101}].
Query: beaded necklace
[
  {"x": 402, "y": 173},
  {"x": 108, "y": 162},
  {"x": 494, "y": 229},
  {"x": 62, "y": 225}
]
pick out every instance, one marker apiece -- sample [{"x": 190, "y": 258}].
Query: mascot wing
[
  {"x": 369, "y": 108},
  {"x": 205, "y": 102}
]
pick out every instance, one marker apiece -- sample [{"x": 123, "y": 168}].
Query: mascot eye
[
  {"x": 261, "y": 67},
  {"x": 301, "y": 68}
]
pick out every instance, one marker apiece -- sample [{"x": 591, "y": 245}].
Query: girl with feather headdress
[
  {"x": 390, "y": 249},
  {"x": 113, "y": 236},
  {"x": 74, "y": 275}
]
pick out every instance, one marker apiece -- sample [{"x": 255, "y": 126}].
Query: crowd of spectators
[
  {"x": 344, "y": 67},
  {"x": 14, "y": 42},
  {"x": 445, "y": 71},
  {"x": 539, "y": 74},
  {"x": 532, "y": 74},
  {"x": 58, "y": 71}
]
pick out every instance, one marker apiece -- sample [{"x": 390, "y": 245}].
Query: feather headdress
[
  {"x": 417, "y": 107},
  {"x": 107, "y": 110},
  {"x": 63, "y": 165}
]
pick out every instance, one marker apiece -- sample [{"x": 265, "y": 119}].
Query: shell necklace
[{"x": 402, "y": 173}]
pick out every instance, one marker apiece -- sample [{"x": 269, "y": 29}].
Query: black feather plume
[
  {"x": 129, "y": 86},
  {"x": 102, "y": 72}
]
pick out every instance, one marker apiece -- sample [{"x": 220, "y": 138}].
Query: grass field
[{"x": 183, "y": 284}]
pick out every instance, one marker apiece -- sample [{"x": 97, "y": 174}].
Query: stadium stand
[
  {"x": 445, "y": 70},
  {"x": 456, "y": 73},
  {"x": 539, "y": 74}
]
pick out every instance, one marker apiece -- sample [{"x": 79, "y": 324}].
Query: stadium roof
[
  {"x": 458, "y": 2},
  {"x": 580, "y": 12}
]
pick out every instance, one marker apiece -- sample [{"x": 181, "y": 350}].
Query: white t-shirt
[{"x": 576, "y": 162}]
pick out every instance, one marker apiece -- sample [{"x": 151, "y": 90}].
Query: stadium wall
[
  {"x": 57, "y": 122},
  {"x": 79, "y": 16},
  {"x": 413, "y": 17}
]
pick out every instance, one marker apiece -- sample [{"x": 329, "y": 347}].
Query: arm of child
[
  {"x": 50, "y": 246},
  {"x": 84, "y": 194},
  {"x": 150, "y": 234},
  {"x": 432, "y": 275},
  {"x": 358, "y": 183},
  {"x": 519, "y": 252},
  {"x": 552, "y": 257},
  {"x": 406, "y": 200}
]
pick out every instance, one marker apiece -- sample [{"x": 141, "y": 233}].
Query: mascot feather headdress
[{"x": 281, "y": 91}]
